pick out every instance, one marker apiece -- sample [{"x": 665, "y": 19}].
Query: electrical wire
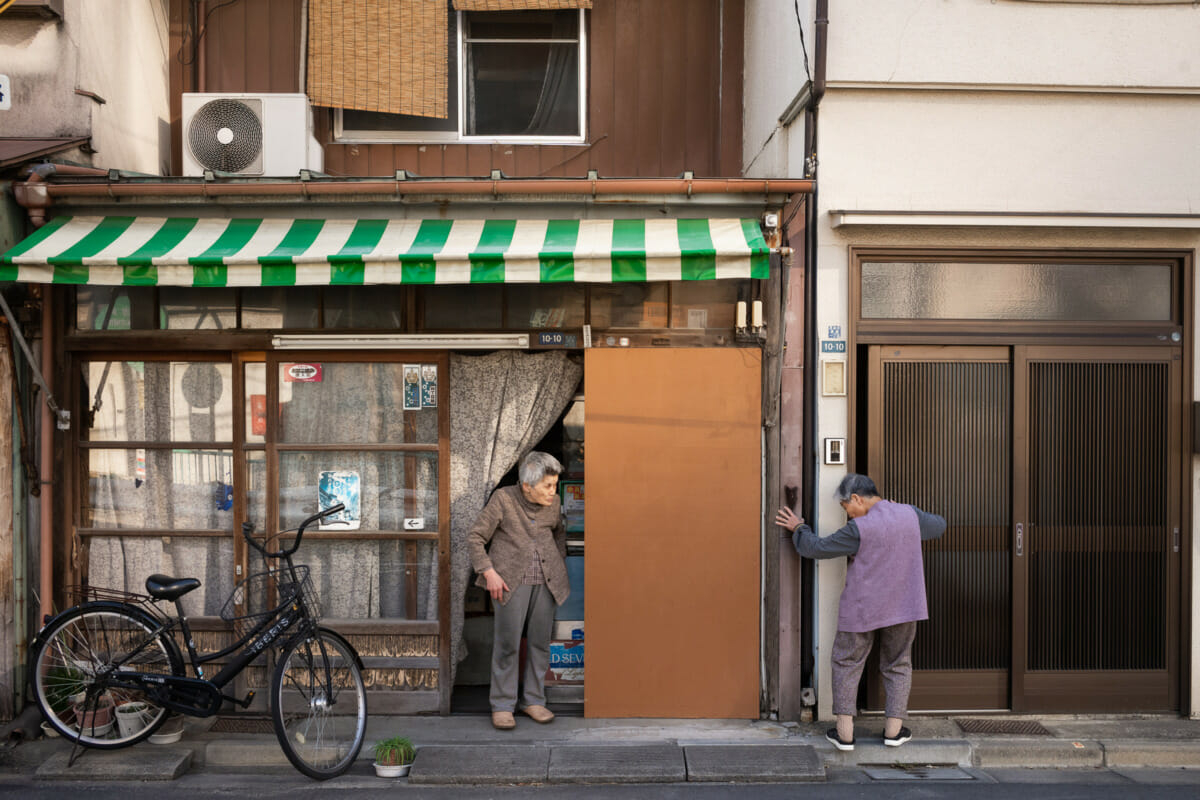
[
  {"x": 190, "y": 34},
  {"x": 803, "y": 48}
]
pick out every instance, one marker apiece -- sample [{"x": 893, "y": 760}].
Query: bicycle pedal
[{"x": 243, "y": 703}]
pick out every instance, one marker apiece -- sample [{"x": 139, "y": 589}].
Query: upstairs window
[{"x": 514, "y": 76}]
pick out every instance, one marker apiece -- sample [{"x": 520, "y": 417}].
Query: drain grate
[
  {"x": 1018, "y": 727},
  {"x": 242, "y": 725},
  {"x": 909, "y": 772}
]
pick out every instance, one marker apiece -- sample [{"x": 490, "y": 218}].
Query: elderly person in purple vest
[
  {"x": 884, "y": 597},
  {"x": 519, "y": 546}
]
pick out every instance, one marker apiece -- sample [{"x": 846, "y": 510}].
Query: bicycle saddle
[{"x": 164, "y": 587}]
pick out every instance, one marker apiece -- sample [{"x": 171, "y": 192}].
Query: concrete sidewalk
[{"x": 465, "y": 749}]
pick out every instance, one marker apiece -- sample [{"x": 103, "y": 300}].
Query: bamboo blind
[
  {"x": 519, "y": 5},
  {"x": 370, "y": 55}
]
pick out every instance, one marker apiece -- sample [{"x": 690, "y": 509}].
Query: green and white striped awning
[{"x": 176, "y": 251}]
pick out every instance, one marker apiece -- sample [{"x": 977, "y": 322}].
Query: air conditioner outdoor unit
[{"x": 249, "y": 134}]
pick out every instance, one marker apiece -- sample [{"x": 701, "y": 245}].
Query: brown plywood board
[{"x": 673, "y": 532}]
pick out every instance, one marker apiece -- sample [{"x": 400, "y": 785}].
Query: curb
[{"x": 1038, "y": 754}]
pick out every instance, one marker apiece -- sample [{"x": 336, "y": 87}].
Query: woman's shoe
[
  {"x": 832, "y": 736},
  {"x": 900, "y": 738}
]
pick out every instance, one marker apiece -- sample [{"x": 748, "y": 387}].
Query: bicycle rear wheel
[
  {"x": 68, "y": 673},
  {"x": 319, "y": 704}
]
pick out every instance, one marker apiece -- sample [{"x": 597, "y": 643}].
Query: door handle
[{"x": 1020, "y": 540}]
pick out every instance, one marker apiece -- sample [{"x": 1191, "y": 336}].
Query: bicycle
[{"x": 117, "y": 650}]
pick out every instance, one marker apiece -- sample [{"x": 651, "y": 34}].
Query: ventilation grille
[
  {"x": 1014, "y": 727},
  {"x": 227, "y": 135}
]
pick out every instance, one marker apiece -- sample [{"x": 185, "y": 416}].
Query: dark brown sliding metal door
[
  {"x": 1056, "y": 587},
  {"x": 940, "y": 438},
  {"x": 1096, "y": 529}
]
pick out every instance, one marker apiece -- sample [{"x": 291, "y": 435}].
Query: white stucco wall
[
  {"x": 774, "y": 75},
  {"x": 1013, "y": 42},
  {"x": 1010, "y": 151},
  {"x": 125, "y": 59},
  {"x": 117, "y": 50}
]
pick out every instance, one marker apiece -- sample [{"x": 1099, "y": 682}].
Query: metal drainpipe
[
  {"x": 20, "y": 550},
  {"x": 812, "y": 363},
  {"x": 46, "y": 468}
]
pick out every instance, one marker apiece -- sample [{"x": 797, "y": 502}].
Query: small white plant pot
[
  {"x": 132, "y": 717},
  {"x": 170, "y": 733},
  {"x": 391, "y": 770}
]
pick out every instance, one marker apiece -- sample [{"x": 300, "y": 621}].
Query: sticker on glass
[
  {"x": 412, "y": 387},
  {"x": 429, "y": 385}
]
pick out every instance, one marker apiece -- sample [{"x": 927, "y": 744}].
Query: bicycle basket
[{"x": 249, "y": 605}]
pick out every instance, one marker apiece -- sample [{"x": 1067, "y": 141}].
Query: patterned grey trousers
[
  {"x": 529, "y": 612},
  {"x": 850, "y": 651}
]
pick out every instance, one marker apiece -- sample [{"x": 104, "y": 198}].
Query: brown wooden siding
[{"x": 665, "y": 92}]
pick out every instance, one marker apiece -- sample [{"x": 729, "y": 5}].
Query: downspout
[
  {"x": 33, "y": 194},
  {"x": 809, "y": 466},
  {"x": 46, "y": 469}
]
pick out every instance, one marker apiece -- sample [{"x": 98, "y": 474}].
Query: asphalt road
[{"x": 848, "y": 784}]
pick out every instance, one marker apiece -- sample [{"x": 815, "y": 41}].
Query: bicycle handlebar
[{"x": 248, "y": 529}]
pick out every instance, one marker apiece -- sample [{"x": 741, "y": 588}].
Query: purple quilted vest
[{"x": 885, "y": 584}]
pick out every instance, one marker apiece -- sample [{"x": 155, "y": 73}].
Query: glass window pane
[
  {"x": 1078, "y": 292},
  {"x": 255, "y": 380},
  {"x": 395, "y": 492},
  {"x": 364, "y": 307},
  {"x": 464, "y": 307},
  {"x": 256, "y": 491},
  {"x": 628, "y": 305},
  {"x": 290, "y": 307},
  {"x": 124, "y": 562},
  {"x": 114, "y": 308},
  {"x": 523, "y": 90},
  {"x": 373, "y": 578},
  {"x": 545, "y": 306},
  {"x": 705, "y": 304},
  {"x": 335, "y": 402},
  {"x": 528, "y": 85},
  {"x": 522, "y": 25},
  {"x": 194, "y": 309},
  {"x": 158, "y": 401},
  {"x": 158, "y": 489}
]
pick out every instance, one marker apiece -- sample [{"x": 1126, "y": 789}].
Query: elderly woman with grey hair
[
  {"x": 884, "y": 597},
  {"x": 518, "y": 547}
]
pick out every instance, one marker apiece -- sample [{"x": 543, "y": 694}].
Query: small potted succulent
[{"x": 393, "y": 757}]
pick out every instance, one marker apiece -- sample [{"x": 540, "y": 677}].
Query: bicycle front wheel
[
  {"x": 319, "y": 704},
  {"x": 71, "y": 677}
]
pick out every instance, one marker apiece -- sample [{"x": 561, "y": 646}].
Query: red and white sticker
[{"x": 302, "y": 373}]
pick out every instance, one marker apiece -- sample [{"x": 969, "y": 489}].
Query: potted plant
[
  {"x": 393, "y": 757},
  {"x": 62, "y": 685},
  {"x": 94, "y": 716}
]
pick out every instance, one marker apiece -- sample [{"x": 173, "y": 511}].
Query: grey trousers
[
  {"x": 529, "y": 611},
  {"x": 850, "y": 651}
]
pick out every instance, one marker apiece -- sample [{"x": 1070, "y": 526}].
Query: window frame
[{"x": 342, "y": 135}]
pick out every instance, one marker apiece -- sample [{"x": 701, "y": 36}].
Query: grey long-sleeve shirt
[{"x": 845, "y": 540}]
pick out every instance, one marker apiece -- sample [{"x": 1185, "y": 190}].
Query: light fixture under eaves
[{"x": 404, "y": 341}]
